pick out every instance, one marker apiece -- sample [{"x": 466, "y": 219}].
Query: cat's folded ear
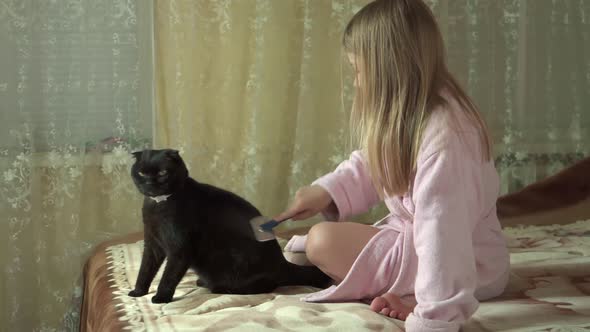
[
  {"x": 137, "y": 155},
  {"x": 174, "y": 154}
]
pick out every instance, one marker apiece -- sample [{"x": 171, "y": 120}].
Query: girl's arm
[
  {"x": 350, "y": 187},
  {"x": 446, "y": 191}
]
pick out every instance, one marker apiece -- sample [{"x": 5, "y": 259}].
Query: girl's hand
[{"x": 308, "y": 202}]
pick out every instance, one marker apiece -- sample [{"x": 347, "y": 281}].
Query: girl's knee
[{"x": 319, "y": 242}]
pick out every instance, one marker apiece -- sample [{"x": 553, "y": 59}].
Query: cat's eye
[
  {"x": 162, "y": 172},
  {"x": 141, "y": 174}
]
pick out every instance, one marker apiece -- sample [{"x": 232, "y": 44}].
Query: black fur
[{"x": 207, "y": 229}]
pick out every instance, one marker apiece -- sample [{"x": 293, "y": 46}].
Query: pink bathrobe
[{"x": 442, "y": 243}]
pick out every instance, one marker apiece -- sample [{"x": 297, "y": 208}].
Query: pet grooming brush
[{"x": 262, "y": 227}]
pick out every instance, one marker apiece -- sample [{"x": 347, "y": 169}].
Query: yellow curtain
[{"x": 250, "y": 92}]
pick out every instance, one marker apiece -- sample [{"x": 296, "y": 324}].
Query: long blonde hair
[{"x": 400, "y": 53}]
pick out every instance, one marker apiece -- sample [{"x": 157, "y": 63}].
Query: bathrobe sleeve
[
  {"x": 350, "y": 187},
  {"x": 445, "y": 195}
]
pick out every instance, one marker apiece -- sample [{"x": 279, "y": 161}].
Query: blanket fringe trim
[
  {"x": 523, "y": 230},
  {"x": 129, "y": 309}
]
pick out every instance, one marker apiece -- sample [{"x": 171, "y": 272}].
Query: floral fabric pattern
[{"x": 549, "y": 290}]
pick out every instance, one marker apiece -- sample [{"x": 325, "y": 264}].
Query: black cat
[{"x": 199, "y": 226}]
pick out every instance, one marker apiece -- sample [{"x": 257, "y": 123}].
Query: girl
[{"x": 425, "y": 151}]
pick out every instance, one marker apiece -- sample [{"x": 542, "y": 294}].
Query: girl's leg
[{"x": 333, "y": 247}]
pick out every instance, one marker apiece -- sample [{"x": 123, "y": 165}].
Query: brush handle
[{"x": 269, "y": 225}]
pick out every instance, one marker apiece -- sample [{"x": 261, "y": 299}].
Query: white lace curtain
[
  {"x": 249, "y": 90},
  {"x": 75, "y": 98}
]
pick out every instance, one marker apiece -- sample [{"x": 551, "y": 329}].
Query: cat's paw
[
  {"x": 159, "y": 298},
  {"x": 137, "y": 293}
]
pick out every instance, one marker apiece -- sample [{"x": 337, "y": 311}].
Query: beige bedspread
[{"x": 549, "y": 290}]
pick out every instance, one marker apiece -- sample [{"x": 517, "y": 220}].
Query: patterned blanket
[{"x": 549, "y": 290}]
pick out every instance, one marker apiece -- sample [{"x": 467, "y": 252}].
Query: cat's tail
[{"x": 299, "y": 275}]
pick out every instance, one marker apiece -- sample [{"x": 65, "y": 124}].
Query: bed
[{"x": 549, "y": 288}]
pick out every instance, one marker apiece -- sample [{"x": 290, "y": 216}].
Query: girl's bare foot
[{"x": 391, "y": 305}]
